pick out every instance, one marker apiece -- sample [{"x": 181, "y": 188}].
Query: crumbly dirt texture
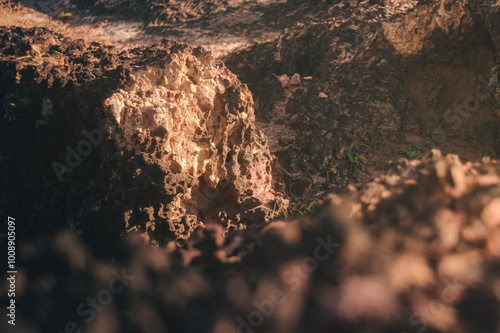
[
  {"x": 158, "y": 140},
  {"x": 354, "y": 91},
  {"x": 228, "y": 26},
  {"x": 272, "y": 166},
  {"x": 416, "y": 248}
]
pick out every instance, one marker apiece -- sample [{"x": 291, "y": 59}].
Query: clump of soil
[{"x": 156, "y": 140}]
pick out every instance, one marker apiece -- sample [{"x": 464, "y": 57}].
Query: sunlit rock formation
[{"x": 157, "y": 140}]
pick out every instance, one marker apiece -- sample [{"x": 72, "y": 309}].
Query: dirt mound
[
  {"x": 348, "y": 94},
  {"x": 415, "y": 249},
  {"x": 157, "y": 140}
]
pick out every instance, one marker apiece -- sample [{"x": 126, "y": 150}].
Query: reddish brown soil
[
  {"x": 384, "y": 234},
  {"x": 360, "y": 91}
]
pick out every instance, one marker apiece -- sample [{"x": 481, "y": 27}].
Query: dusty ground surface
[
  {"x": 122, "y": 25},
  {"x": 123, "y": 34}
]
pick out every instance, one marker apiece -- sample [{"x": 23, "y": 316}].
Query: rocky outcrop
[
  {"x": 157, "y": 140},
  {"x": 416, "y": 249},
  {"x": 376, "y": 80}
]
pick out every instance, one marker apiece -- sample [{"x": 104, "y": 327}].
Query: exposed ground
[
  {"x": 327, "y": 165},
  {"x": 355, "y": 84},
  {"x": 117, "y": 23}
]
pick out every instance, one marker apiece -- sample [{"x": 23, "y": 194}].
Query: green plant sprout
[
  {"x": 302, "y": 208},
  {"x": 370, "y": 146},
  {"x": 411, "y": 152},
  {"x": 355, "y": 157}
]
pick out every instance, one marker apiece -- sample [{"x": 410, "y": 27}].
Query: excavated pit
[
  {"x": 451, "y": 104},
  {"x": 352, "y": 93}
]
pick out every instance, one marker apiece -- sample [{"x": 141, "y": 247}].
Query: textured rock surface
[
  {"x": 159, "y": 140},
  {"x": 383, "y": 76},
  {"x": 415, "y": 249}
]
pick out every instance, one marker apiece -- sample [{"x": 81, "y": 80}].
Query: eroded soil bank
[{"x": 347, "y": 95}]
